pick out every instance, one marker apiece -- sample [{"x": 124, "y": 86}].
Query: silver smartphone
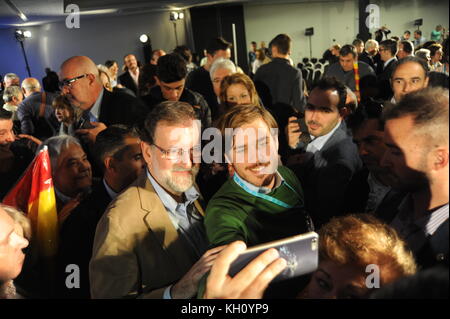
[{"x": 301, "y": 253}]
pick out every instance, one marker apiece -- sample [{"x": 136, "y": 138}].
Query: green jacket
[{"x": 234, "y": 214}]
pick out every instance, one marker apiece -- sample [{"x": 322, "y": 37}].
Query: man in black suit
[
  {"x": 416, "y": 134},
  {"x": 278, "y": 82},
  {"x": 130, "y": 78},
  {"x": 371, "y": 188},
  {"x": 80, "y": 83},
  {"x": 405, "y": 49},
  {"x": 199, "y": 80},
  {"x": 388, "y": 52},
  {"x": 119, "y": 154},
  {"x": 331, "y": 158}
]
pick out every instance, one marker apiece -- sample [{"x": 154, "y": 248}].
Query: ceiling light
[
  {"x": 143, "y": 38},
  {"x": 27, "y": 34},
  {"x": 173, "y": 16}
]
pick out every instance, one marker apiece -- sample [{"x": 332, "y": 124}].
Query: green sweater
[{"x": 234, "y": 214}]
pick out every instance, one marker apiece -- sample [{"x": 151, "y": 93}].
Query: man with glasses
[
  {"x": 80, "y": 83},
  {"x": 151, "y": 242}
]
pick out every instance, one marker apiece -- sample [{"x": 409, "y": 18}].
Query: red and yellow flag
[{"x": 35, "y": 195}]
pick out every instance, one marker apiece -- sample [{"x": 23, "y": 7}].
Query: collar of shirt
[
  {"x": 389, "y": 61},
  {"x": 109, "y": 190},
  {"x": 264, "y": 190},
  {"x": 63, "y": 198},
  {"x": 168, "y": 201},
  {"x": 377, "y": 189},
  {"x": 10, "y": 107},
  {"x": 393, "y": 101},
  {"x": 317, "y": 143},
  {"x": 95, "y": 109},
  {"x": 431, "y": 220},
  {"x": 135, "y": 77}
]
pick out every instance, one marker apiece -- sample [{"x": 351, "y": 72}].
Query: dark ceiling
[{"x": 44, "y": 11}]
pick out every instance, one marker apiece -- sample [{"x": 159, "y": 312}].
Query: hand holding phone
[{"x": 301, "y": 253}]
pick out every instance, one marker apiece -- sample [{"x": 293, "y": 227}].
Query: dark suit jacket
[
  {"x": 278, "y": 82},
  {"x": 326, "y": 176},
  {"x": 357, "y": 195},
  {"x": 348, "y": 78},
  {"x": 383, "y": 82},
  {"x": 366, "y": 58},
  {"x": 121, "y": 108},
  {"x": 435, "y": 251},
  {"x": 200, "y": 81},
  {"x": 28, "y": 114},
  {"x": 127, "y": 81},
  {"x": 77, "y": 238}
]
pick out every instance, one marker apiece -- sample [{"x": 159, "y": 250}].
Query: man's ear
[
  {"x": 440, "y": 158},
  {"x": 426, "y": 81},
  {"x": 146, "y": 153},
  {"x": 109, "y": 163},
  {"x": 344, "y": 112}
]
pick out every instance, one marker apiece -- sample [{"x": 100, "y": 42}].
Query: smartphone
[{"x": 301, "y": 253}]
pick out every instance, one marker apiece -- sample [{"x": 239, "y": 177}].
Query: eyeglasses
[
  {"x": 69, "y": 82},
  {"x": 175, "y": 154}
]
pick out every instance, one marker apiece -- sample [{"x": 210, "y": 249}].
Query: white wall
[
  {"x": 337, "y": 19},
  {"x": 399, "y": 15},
  {"x": 331, "y": 20},
  {"x": 100, "y": 39}
]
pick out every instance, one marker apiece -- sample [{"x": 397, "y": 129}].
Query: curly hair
[{"x": 361, "y": 240}]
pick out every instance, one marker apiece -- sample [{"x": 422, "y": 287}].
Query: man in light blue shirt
[{"x": 150, "y": 242}]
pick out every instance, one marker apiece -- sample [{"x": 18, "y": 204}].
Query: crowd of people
[{"x": 165, "y": 173}]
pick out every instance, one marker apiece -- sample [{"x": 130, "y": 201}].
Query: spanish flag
[{"x": 35, "y": 195}]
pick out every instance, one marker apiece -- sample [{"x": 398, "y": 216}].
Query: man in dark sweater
[
  {"x": 278, "y": 83},
  {"x": 199, "y": 80},
  {"x": 344, "y": 70}
]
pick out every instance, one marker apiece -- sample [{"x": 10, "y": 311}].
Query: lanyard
[
  {"x": 356, "y": 71},
  {"x": 271, "y": 199}
]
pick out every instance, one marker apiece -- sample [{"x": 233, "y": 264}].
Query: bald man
[
  {"x": 80, "y": 83},
  {"x": 35, "y": 113}
]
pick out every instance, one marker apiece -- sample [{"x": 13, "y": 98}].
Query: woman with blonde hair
[
  {"x": 357, "y": 253},
  {"x": 261, "y": 58},
  {"x": 237, "y": 89}
]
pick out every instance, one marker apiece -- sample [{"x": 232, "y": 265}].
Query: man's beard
[{"x": 180, "y": 184}]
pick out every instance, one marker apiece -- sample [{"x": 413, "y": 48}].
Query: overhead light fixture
[
  {"x": 100, "y": 11},
  {"x": 143, "y": 38},
  {"x": 14, "y": 8},
  {"x": 27, "y": 34},
  {"x": 174, "y": 16}
]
